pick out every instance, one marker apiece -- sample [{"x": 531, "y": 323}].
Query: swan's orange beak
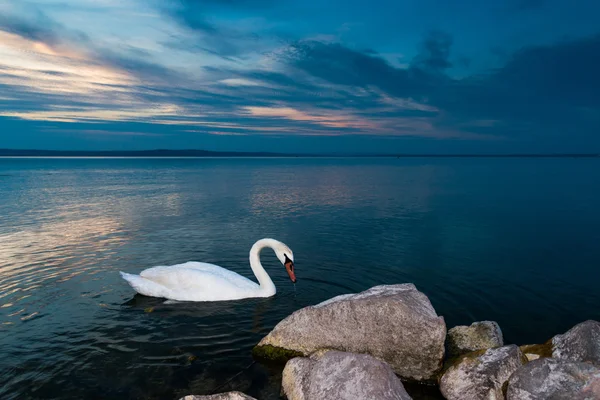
[{"x": 289, "y": 267}]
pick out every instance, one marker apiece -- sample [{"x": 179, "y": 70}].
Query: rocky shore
[{"x": 365, "y": 345}]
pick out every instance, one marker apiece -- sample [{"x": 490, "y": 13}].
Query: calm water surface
[{"x": 511, "y": 240}]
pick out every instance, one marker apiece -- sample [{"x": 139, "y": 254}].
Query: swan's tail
[{"x": 145, "y": 286}]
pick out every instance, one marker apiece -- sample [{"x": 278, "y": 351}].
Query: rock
[
  {"x": 478, "y": 336},
  {"x": 549, "y": 378},
  {"x": 535, "y": 351},
  {"x": 580, "y": 343},
  {"x": 294, "y": 379},
  {"x": 394, "y": 323},
  {"x": 220, "y": 396},
  {"x": 337, "y": 375},
  {"x": 481, "y": 374}
]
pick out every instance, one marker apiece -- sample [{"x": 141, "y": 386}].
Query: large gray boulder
[
  {"x": 220, "y": 396},
  {"x": 580, "y": 343},
  {"x": 336, "y": 375},
  {"x": 394, "y": 323},
  {"x": 548, "y": 378},
  {"x": 481, "y": 375},
  {"x": 477, "y": 336}
]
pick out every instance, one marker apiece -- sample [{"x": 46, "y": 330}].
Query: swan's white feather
[
  {"x": 192, "y": 281},
  {"x": 197, "y": 281},
  {"x": 145, "y": 286}
]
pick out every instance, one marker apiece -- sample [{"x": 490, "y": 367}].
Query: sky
[{"x": 347, "y": 76}]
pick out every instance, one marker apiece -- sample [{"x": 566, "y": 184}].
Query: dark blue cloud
[
  {"x": 341, "y": 65},
  {"x": 566, "y": 72},
  {"x": 195, "y": 14},
  {"x": 541, "y": 89},
  {"x": 228, "y": 42},
  {"x": 138, "y": 65},
  {"x": 435, "y": 52},
  {"x": 37, "y": 26}
]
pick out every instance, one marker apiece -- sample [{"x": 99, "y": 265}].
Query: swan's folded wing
[
  {"x": 146, "y": 287},
  {"x": 197, "y": 277},
  {"x": 180, "y": 279}
]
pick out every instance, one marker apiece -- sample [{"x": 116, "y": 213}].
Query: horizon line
[{"x": 199, "y": 153}]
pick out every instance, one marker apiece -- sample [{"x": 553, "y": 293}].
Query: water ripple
[{"x": 72, "y": 328}]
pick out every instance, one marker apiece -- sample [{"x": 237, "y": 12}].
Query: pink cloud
[{"x": 326, "y": 119}]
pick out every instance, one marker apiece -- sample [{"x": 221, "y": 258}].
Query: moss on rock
[
  {"x": 276, "y": 354},
  {"x": 535, "y": 351}
]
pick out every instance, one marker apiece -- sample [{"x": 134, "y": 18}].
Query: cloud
[
  {"x": 48, "y": 36},
  {"x": 324, "y": 119},
  {"x": 40, "y": 28},
  {"x": 565, "y": 72},
  {"x": 138, "y": 66},
  {"x": 435, "y": 52},
  {"x": 322, "y": 86},
  {"x": 194, "y": 20},
  {"x": 103, "y": 132},
  {"x": 229, "y": 38},
  {"x": 340, "y": 65},
  {"x": 243, "y": 4},
  {"x": 542, "y": 91},
  {"x": 541, "y": 88}
]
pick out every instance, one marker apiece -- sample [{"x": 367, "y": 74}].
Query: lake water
[{"x": 511, "y": 240}]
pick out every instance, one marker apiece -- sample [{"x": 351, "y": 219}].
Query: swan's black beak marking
[{"x": 289, "y": 267}]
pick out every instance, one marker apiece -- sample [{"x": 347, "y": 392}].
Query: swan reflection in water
[{"x": 260, "y": 309}]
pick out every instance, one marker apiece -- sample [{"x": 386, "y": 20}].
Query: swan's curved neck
[{"x": 266, "y": 284}]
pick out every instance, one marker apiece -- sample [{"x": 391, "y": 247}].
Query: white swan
[{"x": 196, "y": 281}]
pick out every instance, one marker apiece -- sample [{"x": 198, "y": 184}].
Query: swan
[{"x": 196, "y": 281}]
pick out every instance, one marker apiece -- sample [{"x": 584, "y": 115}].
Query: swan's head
[{"x": 286, "y": 256}]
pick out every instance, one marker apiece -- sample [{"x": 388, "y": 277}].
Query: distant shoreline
[{"x": 18, "y": 153}]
